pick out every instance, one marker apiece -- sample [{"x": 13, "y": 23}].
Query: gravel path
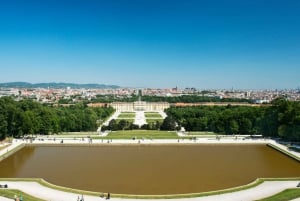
[
  {"x": 265, "y": 189},
  {"x": 5, "y": 199}
]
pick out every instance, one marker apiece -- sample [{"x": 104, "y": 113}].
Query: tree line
[
  {"x": 18, "y": 118},
  {"x": 281, "y": 119},
  {"x": 123, "y": 124}
]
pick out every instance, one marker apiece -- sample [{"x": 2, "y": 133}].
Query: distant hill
[{"x": 56, "y": 85}]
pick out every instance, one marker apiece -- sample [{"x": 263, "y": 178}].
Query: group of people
[
  {"x": 80, "y": 198},
  {"x": 107, "y": 197},
  {"x": 3, "y": 186}
]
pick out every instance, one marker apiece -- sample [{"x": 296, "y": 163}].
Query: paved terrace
[{"x": 265, "y": 189}]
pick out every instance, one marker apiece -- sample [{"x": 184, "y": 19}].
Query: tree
[
  {"x": 3, "y": 127},
  {"x": 27, "y": 122},
  {"x": 112, "y": 125},
  {"x": 233, "y": 127},
  {"x": 245, "y": 126},
  {"x": 122, "y": 124},
  {"x": 168, "y": 124}
]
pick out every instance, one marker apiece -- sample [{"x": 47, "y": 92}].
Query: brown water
[{"x": 150, "y": 169}]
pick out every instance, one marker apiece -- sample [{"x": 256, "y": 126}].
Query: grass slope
[
  {"x": 285, "y": 195},
  {"x": 10, "y": 193}
]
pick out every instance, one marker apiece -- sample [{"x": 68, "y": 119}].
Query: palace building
[{"x": 139, "y": 106}]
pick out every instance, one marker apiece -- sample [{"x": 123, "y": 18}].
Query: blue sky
[{"x": 152, "y": 43}]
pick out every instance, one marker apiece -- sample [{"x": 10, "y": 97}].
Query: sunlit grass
[
  {"x": 288, "y": 194},
  {"x": 153, "y": 115},
  {"x": 125, "y": 115},
  {"x": 139, "y": 134},
  {"x": 200, "y": 133},
  {"x": 11, "y": 193}
]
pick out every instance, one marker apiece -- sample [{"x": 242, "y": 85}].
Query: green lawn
[
  {"x": 73, "y": 134},
  {"x": 285, "y": 195},
  {"x": 139, "y": 134},
  {"x": 200, "y": 133},
  {"x": 78, "y": 133},
  {"x": 10, "y": 193},
  {"x": 125, "y": 115},
  {"x": 154, "y": 115}
]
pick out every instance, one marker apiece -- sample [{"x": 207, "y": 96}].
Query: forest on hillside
[{"x": 281, "y": 119}]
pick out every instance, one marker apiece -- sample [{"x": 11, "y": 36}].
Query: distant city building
[
  {"x": 262, "y": 101},
  {"x": 54, "y": 95}
]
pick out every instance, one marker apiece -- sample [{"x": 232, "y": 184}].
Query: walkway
[
  {"x": 263, "y": 190},
  {"x": 114, "y": 116},
  {"x": 5, "y": 199},
  {"x": 13, "y": 145},
  {"x": 139, "y": 118},
  {"x": 163, "y": 114}
]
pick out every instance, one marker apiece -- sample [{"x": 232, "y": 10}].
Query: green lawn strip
[
  {"x": 139, "y": 134},
  {"x": 200, "y": 133},
  {"x": 153, "y": 115},
  {"x": 86, "y": 133},
  {"x": 10, "y": 193},
  {"x": 68, "y": 136},
  {"x": 126, "y": 115},
  {"x": 190, "y": 195},
  {"x": 285, "y": 195},
  {"x": 71, "y": 135}
]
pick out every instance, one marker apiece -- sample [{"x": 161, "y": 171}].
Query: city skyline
[{"x": 156, "y": 44}]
